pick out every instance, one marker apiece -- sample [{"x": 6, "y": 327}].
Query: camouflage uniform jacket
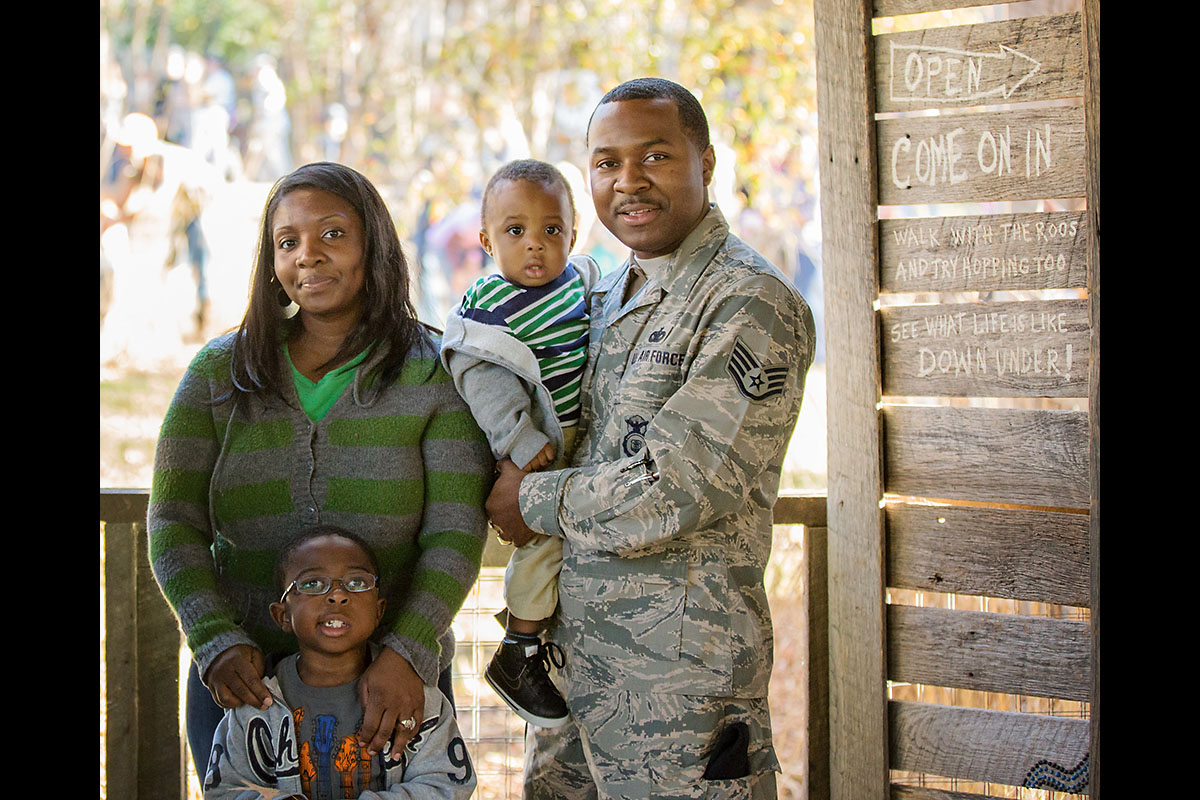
[{"x": 691, "y": 393}]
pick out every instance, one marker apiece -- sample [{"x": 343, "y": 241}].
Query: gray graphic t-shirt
[{"x": 332, "y": 765}]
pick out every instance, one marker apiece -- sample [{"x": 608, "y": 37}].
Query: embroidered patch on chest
[
  {"x": 635, "y": 435},
  {"x": 654, "y": 355},
  {"x": 752, "y": 378}
]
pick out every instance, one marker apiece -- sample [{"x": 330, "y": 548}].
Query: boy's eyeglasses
[{"x": 320, "y": 584}]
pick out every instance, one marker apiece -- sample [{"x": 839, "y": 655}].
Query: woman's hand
[
  {"x": 235, "y": 678},
  {"x": 391, "y": 693}
]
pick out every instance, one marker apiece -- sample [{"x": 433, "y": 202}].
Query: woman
[{"x": 327, "y": 405}]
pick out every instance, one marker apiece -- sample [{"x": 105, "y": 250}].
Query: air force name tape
[{"x": 753, "y": 379}]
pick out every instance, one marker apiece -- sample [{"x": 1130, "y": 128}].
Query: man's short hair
[{"x": 691, "y": 114}]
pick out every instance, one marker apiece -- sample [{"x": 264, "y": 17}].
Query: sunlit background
[{"x": 205, "y": 103}]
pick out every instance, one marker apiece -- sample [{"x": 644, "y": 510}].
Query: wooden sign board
[
  {"x": 1001, "y": 252},
  {"x": 987, "y": 745},
  {"x": 1021, "y": 154},
  {"x": 892, "y": 8},
  {"x": 980, "y": 499},
  {"x": 1008, "y": 653},
  {"x": 1023, "y": 349},
  {"x": 1036, "y": 58},
  {"x": 1017, "y": 554}
]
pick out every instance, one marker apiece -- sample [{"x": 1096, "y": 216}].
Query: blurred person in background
[
  {"x": 133, "y": 170},
  {"x": 268, "y": 145}
]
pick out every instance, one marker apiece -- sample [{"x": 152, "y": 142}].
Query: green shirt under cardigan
[{"x": 317, "y": 397}]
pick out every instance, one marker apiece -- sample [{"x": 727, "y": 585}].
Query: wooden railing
[{"x": 144, "y": 744}]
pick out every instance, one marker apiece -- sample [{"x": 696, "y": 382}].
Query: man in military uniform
[{"x": 693, "y": 385}]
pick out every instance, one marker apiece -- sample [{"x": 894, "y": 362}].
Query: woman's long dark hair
[{"x": 388, "y": 321}]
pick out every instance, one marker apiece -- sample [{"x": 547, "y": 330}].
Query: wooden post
[
  {"x": 1091, "y": 100},
  {"x": 162, "y": 747},
  {"x": 816, "y": 606},
  {"x": 858, "y": 768},
  {"x": 144, "y": 743},
  {"x": 120, "y": 658}
]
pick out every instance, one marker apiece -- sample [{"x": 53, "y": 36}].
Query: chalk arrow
[
  {"x": 1031, "y": 65},
  {"x": 914, "y": 74}
]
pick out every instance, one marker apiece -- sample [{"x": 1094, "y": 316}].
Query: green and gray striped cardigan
[{"x": 408, "y": 471}]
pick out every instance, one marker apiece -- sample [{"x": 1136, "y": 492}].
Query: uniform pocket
[
  {"x": 656, "y": 623},
  {"x": 635, "y": 609},
  {"x": 627, "y": 499},
  {"x": 652, "y": 376}
]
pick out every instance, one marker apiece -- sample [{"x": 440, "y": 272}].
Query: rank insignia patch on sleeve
[{"x": 750, "y": 376}]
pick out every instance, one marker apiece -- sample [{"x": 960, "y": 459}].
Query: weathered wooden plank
[
  {"x": 120, "y": 660},
  {"x": 1016, "y": 60},
  {"x": 1021, "y": 349},
  {"x": 1013, "y": 456},
  {"x": 801, "y": 509},
  {"x": 895, "y": 8},
  {"x": 1017, "y": 154},
  {"x": 995, "y": 746},
  {"x": 902, "y": 792},
  {"x": 988, "y": 652},
  {"x": 1017, "y": 554},
  {"x": 124, "y": 505},
  {"x": 816, "y": 574},
  {"x": 858, "y": 768},
  {"x": 1091, "y": 36},
  {"x": 161, "y": 744},
  {"x": 996, "y": 252}
]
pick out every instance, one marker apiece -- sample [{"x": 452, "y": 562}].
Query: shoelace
[{"x": 551, "y": 653}]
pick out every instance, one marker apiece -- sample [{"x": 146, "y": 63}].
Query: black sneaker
[{"x": 520, "y": 675}]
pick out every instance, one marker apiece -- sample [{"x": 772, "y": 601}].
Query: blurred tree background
[
  {"x": 427, "y": 98},
  {"x": 205, "y": 103}
]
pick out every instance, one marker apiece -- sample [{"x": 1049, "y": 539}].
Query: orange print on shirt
[{"x": 346, "y": 763}]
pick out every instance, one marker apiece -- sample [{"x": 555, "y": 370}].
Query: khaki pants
[{"x": 531, "y": 579}]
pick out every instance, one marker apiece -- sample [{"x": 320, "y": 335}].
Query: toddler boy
[
  {"x": 304, "y": 745},
  {"x": 516, "y": 348}
]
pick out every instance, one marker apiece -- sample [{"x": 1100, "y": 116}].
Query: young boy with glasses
[{"x": 305, "y": 744}]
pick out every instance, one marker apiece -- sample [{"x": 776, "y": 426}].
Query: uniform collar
[
  {"x": 693, "y": 253},
  {"x": 680, "y": 271}
]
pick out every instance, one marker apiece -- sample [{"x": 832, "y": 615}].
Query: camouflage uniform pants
[{"x": 636, "y": 746}]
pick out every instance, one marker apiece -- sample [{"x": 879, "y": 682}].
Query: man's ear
[
  {"x": 708, "y": 160},
  {"x": 379, "y": 612},
  {"x": 279, "y": 613}
]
